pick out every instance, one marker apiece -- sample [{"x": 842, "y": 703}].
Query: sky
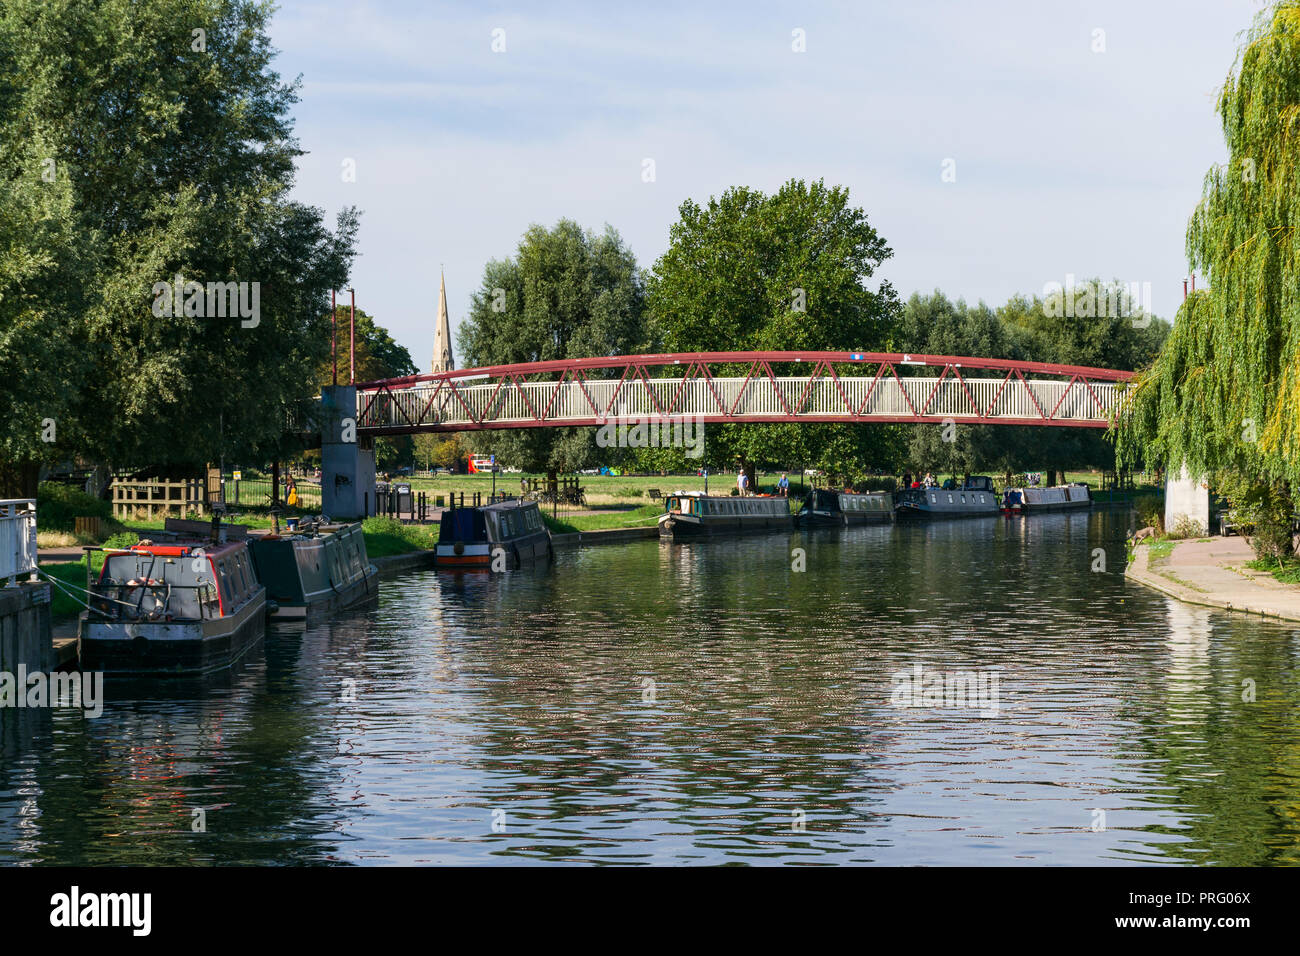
[{"x": 997, "y": 145}]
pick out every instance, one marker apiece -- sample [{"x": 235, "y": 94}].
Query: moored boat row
[
  {"x": 192, "y": 608},
  {"x": 690, "y": 514}
]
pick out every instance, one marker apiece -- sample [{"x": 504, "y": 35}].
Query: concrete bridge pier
[
  {"x": 347, "y": 461},
  {"x": 1187, "y": 496}
]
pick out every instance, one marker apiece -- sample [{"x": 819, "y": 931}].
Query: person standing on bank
[
  {"x": 742, "y": 481},
  {"x": 784, "y": 485}
]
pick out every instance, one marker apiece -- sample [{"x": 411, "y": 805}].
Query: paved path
[{"x": 1213, "y": 573}]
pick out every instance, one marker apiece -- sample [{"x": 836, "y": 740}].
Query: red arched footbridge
[{"x": 716, "y": 387}]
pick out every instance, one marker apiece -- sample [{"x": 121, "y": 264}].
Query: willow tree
[{"x": 1224, "y": 392}]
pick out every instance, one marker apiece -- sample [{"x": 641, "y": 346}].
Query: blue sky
[{"x": 1067, "y": 160}]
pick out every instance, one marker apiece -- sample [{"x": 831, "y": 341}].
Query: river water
[{"x": 739, "y": 701}]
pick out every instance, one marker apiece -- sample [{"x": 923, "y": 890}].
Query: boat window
[
  {"x": 950, "y": 499},
  {"x": 963, "y": 499},
  {"x": 934, "y": 499}
]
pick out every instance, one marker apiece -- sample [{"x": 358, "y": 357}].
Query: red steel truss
[{"x": 467, "y": 399}]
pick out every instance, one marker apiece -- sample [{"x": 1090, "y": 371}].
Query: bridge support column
[
  {"x": 347, "y": 466},
  {"x": 1187, "y": 497}
]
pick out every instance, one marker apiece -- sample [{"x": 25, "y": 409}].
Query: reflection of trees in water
[
  {"x": 567, "y": 712},
  {"x": 1231, "y": 766},
  {"x": 248, "y": 747}
]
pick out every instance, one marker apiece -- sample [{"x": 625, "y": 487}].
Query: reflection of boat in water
[
  {"x": 825, "y": 507},
  {"x": 177, "y": 609},
  {"x": 1056, "y": 498},
  {"x": 692, "y": 514},
  {"x": 314, "y": 568},
  {"x": 974, "y": 498},
  {"x": 472, "y": 537}
]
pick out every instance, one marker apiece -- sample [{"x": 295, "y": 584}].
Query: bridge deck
[{"x": 838, "y": 387}]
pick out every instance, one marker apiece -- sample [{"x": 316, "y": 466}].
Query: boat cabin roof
[{"x": 181, "y": 549}]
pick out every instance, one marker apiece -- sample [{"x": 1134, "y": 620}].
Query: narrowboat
[
  {"x": 495, "y": 537},
  {"x": 973, "y": 498},
  {"x": 1055, "y": 498},
  {"x": 313, "y": 569},
  {"x": 172, "y": 610},
  {"x": 690, "y": 515},
  {"x": 825, "y": 507}
]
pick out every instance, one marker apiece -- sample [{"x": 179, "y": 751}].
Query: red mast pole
[
  {"x": 334, "y": 334},
  {"x": 352, "y": 340}
]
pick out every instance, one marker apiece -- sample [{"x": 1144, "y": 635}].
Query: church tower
[{"x": 442, "y": 359}]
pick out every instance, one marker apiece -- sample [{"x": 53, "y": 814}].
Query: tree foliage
[
  {"x": 787, "y": 271},
  {"x": 566, "y": 293},
  {"x": 1224, "y": 392},
  {"x": 1034, "y": 329},
  {"x": 134, "y": 149}
]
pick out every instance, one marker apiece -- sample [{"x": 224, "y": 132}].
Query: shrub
[
  {"x": 1185, "y": 527},
  {"x": 58, "y": 506}
]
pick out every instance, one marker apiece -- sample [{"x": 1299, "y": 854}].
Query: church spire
[{"x": 442, "y": 359}]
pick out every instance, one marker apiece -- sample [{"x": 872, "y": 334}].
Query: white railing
[
  {"x": 854, "y": 398},
  {"x": 17, "y": 538}
]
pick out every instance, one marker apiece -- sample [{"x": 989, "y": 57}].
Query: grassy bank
[
  {"x": 640, "y": 517},
  {"x": 388, "y": 536},
  {"x": 72, "y": 574}
]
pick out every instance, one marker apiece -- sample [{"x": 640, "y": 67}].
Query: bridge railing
[
  {"x": 17, "y": 538},
  {"x": 850, "y": 398}
]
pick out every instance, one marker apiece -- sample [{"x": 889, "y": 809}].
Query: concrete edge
[
  {"x": 422, "y": 560},
  {"x": 1138, "y": 570},
  {"x": 392, "y": 564}
]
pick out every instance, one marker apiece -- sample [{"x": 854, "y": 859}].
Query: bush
[
  {"x": 1185, "y": 527},
  {"x": 1152, "y": 515},
  {"x": 58, "y": 506},
  {"x": 1267, "y": 507}
]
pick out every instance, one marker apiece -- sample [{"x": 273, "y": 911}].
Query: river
[{"x": 738, "y": 701}]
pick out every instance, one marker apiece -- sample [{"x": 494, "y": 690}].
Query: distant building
[{"x": 442, "y": 357}]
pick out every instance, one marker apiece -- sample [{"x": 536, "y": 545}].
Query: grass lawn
[
  {"x": 388, "y": 536},
  {"x": 641, "y": 517},
  {"x": 73, "y": 576}
]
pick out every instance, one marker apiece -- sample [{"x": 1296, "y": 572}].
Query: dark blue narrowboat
[
  {"x": 823, "y": 507},
  {"x": 501, "y": 536},
  {"x": 973, "y": 498}
]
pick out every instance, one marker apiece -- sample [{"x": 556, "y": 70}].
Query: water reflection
[{"x": 705, "y": 702}]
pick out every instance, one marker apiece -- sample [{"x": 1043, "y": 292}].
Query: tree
[
  {"x": 1104, "y": 328},
  {"x": 1224, "y": 392},
  {"x": 787, "y": 271},
  {"x": 377, "y": 354},
  {"x": 567, "y": 293},
  {"x": 168, "y": 141}
]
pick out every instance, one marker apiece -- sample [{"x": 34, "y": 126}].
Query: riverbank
[{"x": 1214, "y": 572}]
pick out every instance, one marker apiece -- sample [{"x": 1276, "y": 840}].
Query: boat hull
[
  {"x": 928, "y": 504},
  {"x": 311, "y": 576},
  {"x": 501, "y": 537},
  {"x": 689, "y": 526},
  {"x": 172, "y": 649}
]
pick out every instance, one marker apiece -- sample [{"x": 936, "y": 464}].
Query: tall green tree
[
  {"x": 169, "y": 142},
  {"x": 1224, "y": 392},
  {"x": 787, "y": 271},
  {"x": 566, "y": 293},
  {"x": 1105, "y": 328}
]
